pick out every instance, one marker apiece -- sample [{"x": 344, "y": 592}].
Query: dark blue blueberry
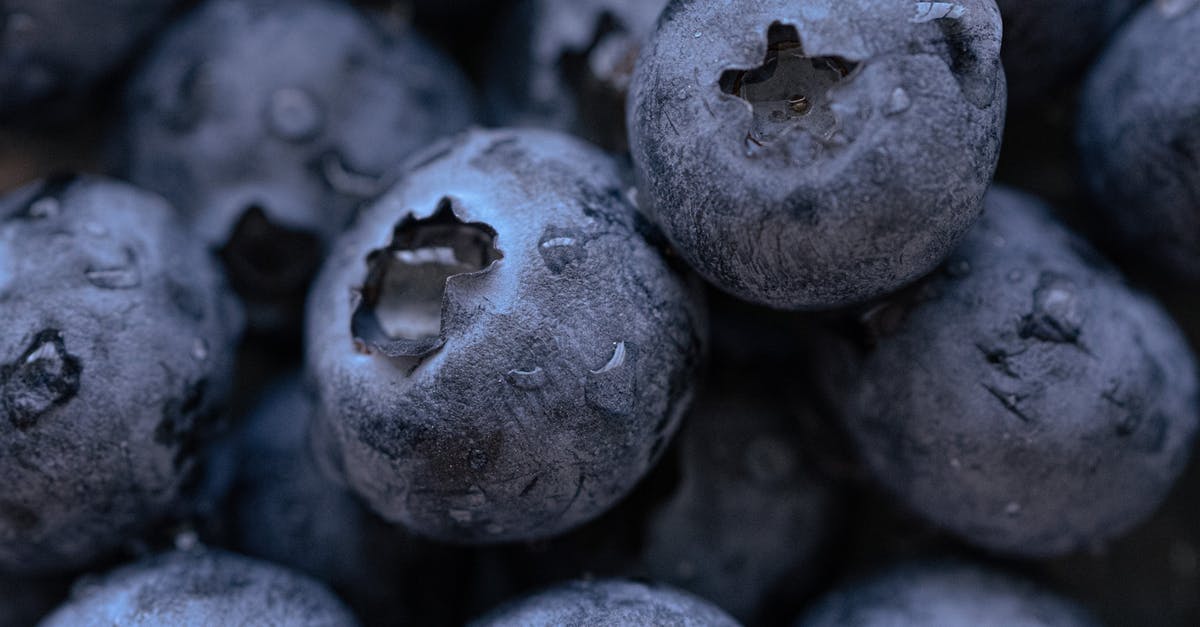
[
  {"x": 496, "y": 344},
  {"x": 200, "y": 587},
  {"x": 1139, "y": 136},
  {"x": 268, "y": 122},
  {"x": 1023, "y": 398},
  {"x": 607, "y": 602},
  {"x": 923, "y": 594},
  {"x": 816, "y": 154},
  {"x": 115, "y": 358}
]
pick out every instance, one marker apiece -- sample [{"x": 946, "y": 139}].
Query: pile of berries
[{"x": 599, "y": 312}]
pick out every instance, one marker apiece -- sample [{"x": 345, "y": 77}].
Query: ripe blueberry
[
  {"x": 268, "y": 122},
  {"x": 811, "y": 155},
  {"x": 500, "y": 352},
  {"x": 945, "y": 593},
  {"x": 115, "y": 355},
  {"x": 607, "y": 602},
  {"x": 1024, "y": 398},
  {"x": 1139, "y": 135},
  {"x": 567, "y": 66},
  {"x": 200, "y": 587}
]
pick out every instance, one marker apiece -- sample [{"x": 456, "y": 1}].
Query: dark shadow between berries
[
  {"x": 789, "y": 91},
  {"x": 400, "y": 314},
  {"x": 268, "y": 261}
]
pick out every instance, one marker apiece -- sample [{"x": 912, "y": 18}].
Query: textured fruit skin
[
  {"x": 1041, "y": 55},
  {"x": 303, "y": 109},
  {"x": 1139, "y": 136},
  {"x": 283, "y": 509},
  {"x": 607, "y": 602},
  {"x": 200, "y": 587},
  {"x": 115, "y": 356},
  {"x": 819, "y": 220},
  {"x": 944, "y": 593},
  {"x": 566, "y": 66},
  {"x": 1023, "y": 398},
  {"x": 55, "y": 51},
  {"x": 560, "y": 370}
]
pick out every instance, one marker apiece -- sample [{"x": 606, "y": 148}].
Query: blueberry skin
[
  {"x": 1139, "y": 136},
  {"x": 866, "y": 190},
  {"x": 607, "y": 602},
  {"x": 751, "y": 516},
  {"x": 567, "y": 65},
  {"x": 944, "y": 593},
  {"x": 115, "y": 357},
  {"x": 1024, "y": 398},
  {"x": 53, "y": 52},
  {"x": 553, "y": 376},
  {"x": 283, "y": 509},
  {"x": 1048, "y": 42},
  {"x": 200, "y": 587},
  {"x": 268, "y": 122}
]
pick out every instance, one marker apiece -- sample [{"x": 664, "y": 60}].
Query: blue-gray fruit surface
[
  {"x": 499, "y": 350},
  {"x": 1024, "y": 398},
  {"x": 115, "y": 357},
  {"x": 944, "y": 594},
  {"x": 286, "y": 511},
  {"x": 1139, "y": 136},
  {"x": 200, "y": 588},
  {"x": 1047, "y": 43},
  {"x": 53, "y": 52},
  {"x": 566, "y": 65},
  {"x": 807, "y": 155},
  {"x": 607, "y": 602},
  {"x": 268, "y": 122}
]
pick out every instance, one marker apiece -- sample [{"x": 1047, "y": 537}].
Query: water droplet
[
  {"x": 294, "y": 115},
  {"x": 616, "y": 361},
  {"x": 561, "y": 248},
  {"x": 1012, "y": 509},
  {"x": 200, "y": 349},
  {"x": 186, "y": 540},
  {"x": 696, "y": 35},
  {"x": 1015, "y": 276},
  {"x": 121, "y": 275},
  {"x": 44, "y": 208},
  {"x": 526, "y": 379},
  {"x": 898, "y": 102},
  {"x": 610, "y": 388}
]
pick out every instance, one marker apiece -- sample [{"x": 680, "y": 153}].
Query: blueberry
[
  {"x": 811, "y": 155},
  {"x": 115, "y": 356},
  {"x": 752, "y": 515},
  {"x": 268, "y": 122},
  {"x": 1139, "y": 136},
  {"x": 54, "y": 52},
  {"x": 499, "y": 349},
  {"x": 200, "y": 587},
  {"x": 607, "y": 602},
  {"x": 567, "y": 66},
  {"x": 286, "y": 511},
  {"x": 944, "y": 593},
  {"x": 1048, "y": 42},
  {"x": 1023, "y": 398}
]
